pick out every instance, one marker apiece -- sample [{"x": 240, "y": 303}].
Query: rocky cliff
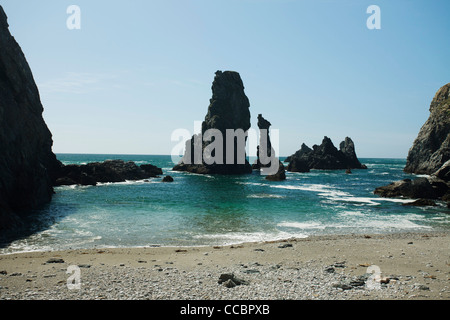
[
  {"x": 27, "y": 164},
  {"x": 431, "y": 149},
  {"x": 228, "y": 109},
  {"x": 430, "y": 154},
  {"x": 325, "y": 157}
]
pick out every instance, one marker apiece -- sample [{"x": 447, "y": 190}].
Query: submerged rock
[
  {"x": 27, "y": 163},
  {"x": 325, "y": 157},
  {"x": 228, "y": 110},
  {"x": 167, "y": 179}
]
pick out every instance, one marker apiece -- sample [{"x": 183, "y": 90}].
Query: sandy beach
[{"x": 351, "y": 267}]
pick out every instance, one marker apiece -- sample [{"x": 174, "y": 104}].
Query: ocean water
[{"x": 198, "y": 210}]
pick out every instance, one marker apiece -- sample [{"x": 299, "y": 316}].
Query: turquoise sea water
[{"x": 214, "y": 210}]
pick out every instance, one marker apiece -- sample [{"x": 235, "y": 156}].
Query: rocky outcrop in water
[
  {"x": 325, "y": 157},
  {"x": 426, "y": 188},
  {"x": 430, "y": 154},
  {"x": 108, "y": 171},
  {"x": 431, "y": 149},
  {"x": 266, "y": 160},
  {"x": 435, "y": 186},
  {"x": 264, "y": 127},
  {"x": 167, "y": 179},
  {"x": 228, "y": 110},
  {"x": 28, "y": 166}
]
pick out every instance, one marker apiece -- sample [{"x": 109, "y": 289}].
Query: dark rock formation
[
  {"x": 266, "y": 160},
  {"x": 298, "y": 165},
  {"x": 347, "y": 148},
  {"x": 228, "y": 110},
  {"x": 108, "y": 171},
  {"x": 430, "y": 154},
  {"x": 426, "y": 188},
  {"x": 230, "y": 280},
  {"x": 264, "y": 140},
  {"x": 167, "y": 179},
  {"x": 443, "y": 172},
  {"x": 430, "y": 187},
  {"x": 304, "y": 149},
  {"x": 280, "y": 175},
  {"x": 431, "y": 149},
  {"x": 27, "y": 164},
  {"x": 325, "y": 157},
  {"x": 151, "y": 170}
]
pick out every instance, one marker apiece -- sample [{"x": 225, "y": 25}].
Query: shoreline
[
  {"x": 414, "y": 265},
  {"x": 393, "y": 234}
]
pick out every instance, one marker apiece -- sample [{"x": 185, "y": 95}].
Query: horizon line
[{"x": 155, "y": 154}]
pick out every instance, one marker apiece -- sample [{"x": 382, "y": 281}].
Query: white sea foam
[
  {"x": 252, "y": 183},
  {"x": 72, "y": 187},
  {"x": 305, "y": 187},
  {"x": 352, "y": 214},
  {"x": 330, "y": 193},
  {"x": 100, "y": 184},
  {"x": 394, "y": 200},
  {"x": 265, "y": 195},
  {"x": 130, "y": 182},
  {"x": 238, "y": 237},
  {"x": 360, "y": 200},
  {"x": 422, "y": 175},
  {"x": 301, "y": 225},
  {"x": 334, "y": 194},
  {"x": 391, "y": 223}
]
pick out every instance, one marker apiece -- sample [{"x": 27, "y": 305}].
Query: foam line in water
[
  {"x": 265, "y": 195},
  {"x": 301, "y": 225},
  {"x": 238, "y": 237}
]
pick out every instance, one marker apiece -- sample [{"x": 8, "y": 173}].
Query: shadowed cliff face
[
  {"x": 431, "y": 149},
  {"x": 229, "y": 106},
  {"x": 228, "y": 109},
  {"x": 27, "y": 163}
]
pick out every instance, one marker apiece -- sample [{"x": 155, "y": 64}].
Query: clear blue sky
[{"x": 138, "y": 70}]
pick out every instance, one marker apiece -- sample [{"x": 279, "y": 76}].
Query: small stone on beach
[{"x": 55, "y": 260}]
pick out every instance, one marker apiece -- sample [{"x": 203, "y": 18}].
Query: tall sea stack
[
  {"x": 267, "y": 161},
  {"x": 28, "y": 166},
  {"x": 228, "y": 111}
]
